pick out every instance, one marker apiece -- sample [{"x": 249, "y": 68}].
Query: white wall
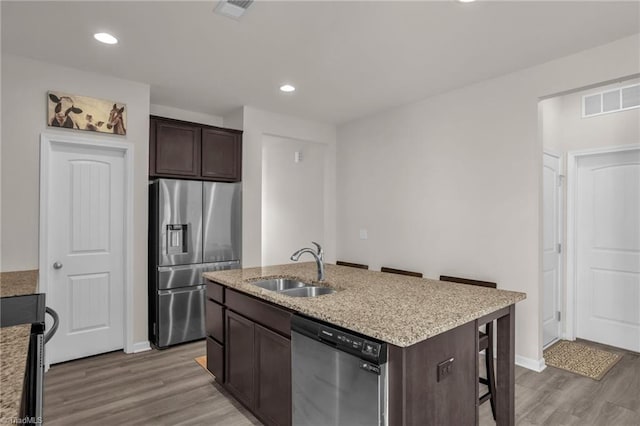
[
  {"x": 452, "y": 184},
  {"x": 234, "y": 119},
  {"x": 183, "y": 114},
  {"x": 1, "y": 153},
  {"x": 292, "y": 197},
  {"x": 256, "y": 125},
  {"x": 25, "y": 83}
]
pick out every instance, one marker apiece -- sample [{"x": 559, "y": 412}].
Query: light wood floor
[{"x": 169, "y": 388}]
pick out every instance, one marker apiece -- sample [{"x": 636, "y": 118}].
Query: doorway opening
[{"x": 598, "y": 247}]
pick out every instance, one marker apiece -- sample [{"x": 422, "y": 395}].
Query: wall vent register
[
  {"x": 621, "y": 99},
  {"x": 233, "y": 8}
]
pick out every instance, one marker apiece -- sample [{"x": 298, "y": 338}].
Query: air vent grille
[
  {"x": 233, "y": 8},
  {"x": 605, "y": 102},
  {"x": 241, "y": 3}
]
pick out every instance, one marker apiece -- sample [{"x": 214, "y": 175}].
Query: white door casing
[
  {"x": 607, "y": 243},
  {"x": 551, "y": 257},
  {"x": 85, "y": 223}
]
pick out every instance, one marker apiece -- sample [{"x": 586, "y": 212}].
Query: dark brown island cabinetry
[
  {"x": 249, "y": 352},
  {"x": 180, "y": 149}
]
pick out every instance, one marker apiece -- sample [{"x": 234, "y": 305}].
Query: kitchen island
[{"x": 423, "y": 321}]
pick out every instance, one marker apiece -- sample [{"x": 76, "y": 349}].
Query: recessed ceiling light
[
  {"x": 287, "y": 88},
  {"x": 105, "y": 38},
  {"x": 466, "y": 1}
]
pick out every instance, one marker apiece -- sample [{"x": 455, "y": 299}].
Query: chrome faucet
[
  {"x": 319, "y": 250},
  {"x": 317, "y": 255}
]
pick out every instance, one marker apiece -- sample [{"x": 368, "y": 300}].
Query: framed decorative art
[{"x": 85, "y": 113}]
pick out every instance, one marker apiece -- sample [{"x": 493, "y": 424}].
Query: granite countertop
[
  {"x": 397, "y": 309},
  {"x": 14, "y": 344}
]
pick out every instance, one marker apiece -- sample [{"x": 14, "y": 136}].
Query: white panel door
[
  {"x": 550, "y": 252},
  {"x": 608, "y": 249},
  {"x": 86, "y": 250}
]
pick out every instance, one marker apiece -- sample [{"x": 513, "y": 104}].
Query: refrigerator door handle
[{"x": 181, "y": 290}]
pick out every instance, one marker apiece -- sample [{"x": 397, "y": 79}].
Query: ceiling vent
[{"x": 233, "y": 8}]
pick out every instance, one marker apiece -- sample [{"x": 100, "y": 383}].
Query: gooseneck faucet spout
[
  {"x": 319, "y": 250},
  {"x": 319, "y": 263}
]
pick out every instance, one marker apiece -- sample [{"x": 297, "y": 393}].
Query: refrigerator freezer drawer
[
  {"x": 181, "y": 316},
  {"x": 180, "y": 276},
  {"x": 221, "y": 266},
  {"x": 189, "y": 275}
]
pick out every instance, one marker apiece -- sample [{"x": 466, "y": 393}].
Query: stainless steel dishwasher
[{"x": 338, "y": 376}]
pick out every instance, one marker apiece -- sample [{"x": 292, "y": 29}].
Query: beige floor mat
[{"x": 581, "y": 359}]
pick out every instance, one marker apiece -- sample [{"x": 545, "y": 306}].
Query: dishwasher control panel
[{"x": 353, "y": 344}]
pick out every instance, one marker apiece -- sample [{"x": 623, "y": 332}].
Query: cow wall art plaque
[{"x": 85, "y": 113}]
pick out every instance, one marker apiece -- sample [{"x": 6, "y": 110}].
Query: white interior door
[
  {"x": 551, "y": 248},
  {"x": 85, "y": 249},
  {"x": 608, "y": 249}
]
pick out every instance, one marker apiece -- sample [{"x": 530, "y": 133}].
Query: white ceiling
[{"x": 347, "y": 59}]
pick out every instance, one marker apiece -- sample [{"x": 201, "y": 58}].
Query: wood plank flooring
[
  {"x": 169, "y": 388},
  {"x": 150, "y": 388},
  {"x": 558, "y": 397}
]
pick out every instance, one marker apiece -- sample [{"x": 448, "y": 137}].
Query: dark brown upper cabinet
[
  {"x": 180, "y": 149},
  {"x": 177, "y": 149},
  {"x": 221, "y": 154}
]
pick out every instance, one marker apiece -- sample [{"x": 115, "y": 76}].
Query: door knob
[{"x": 57, "y": 265}]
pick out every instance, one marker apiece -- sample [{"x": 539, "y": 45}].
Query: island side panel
[
  {"x": 418, "y": 396},
  {"x": 396, "y": 385},
  {"x": 505, "y": 398}
]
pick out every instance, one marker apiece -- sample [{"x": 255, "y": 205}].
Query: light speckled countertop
[
  {"x": 14, "y": 344},
  {"x": 397, "y": 309}
]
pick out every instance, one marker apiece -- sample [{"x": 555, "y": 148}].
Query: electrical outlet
[
  {"x": 364, "y": 234},
  {"x": 445, "y": 368}
]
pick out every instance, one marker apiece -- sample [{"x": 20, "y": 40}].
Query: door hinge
[
  {"x": 559, "y": 315},
  {"x": 559, "y": 247},
  {"x": 154, "y": 329},
  {"x": 560, "y": 180}
]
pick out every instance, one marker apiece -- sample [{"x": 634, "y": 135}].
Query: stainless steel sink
[
  {"x": 311, "y": 291},
  {"x": 280, "y": 284},
  {"x": 293, "y": 287}
]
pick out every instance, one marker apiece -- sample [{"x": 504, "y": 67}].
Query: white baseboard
[
  {"x": 531, "y": 364},
  {"x": 141, "y": 347},
  {"x": 528, "y": 363}
]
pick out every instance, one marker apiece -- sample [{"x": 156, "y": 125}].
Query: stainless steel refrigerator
[{"x": 194, "y": 227}]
